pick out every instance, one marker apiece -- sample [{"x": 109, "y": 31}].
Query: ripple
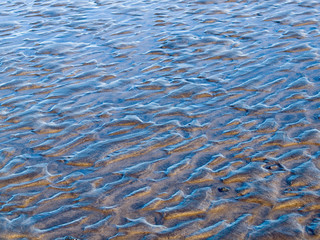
[{"x": 148, "y": 120}]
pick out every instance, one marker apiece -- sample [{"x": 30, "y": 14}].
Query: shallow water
[{"x": 159, "y": 119}]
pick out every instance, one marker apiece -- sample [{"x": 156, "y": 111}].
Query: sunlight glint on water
[{"x": 159, "y": 119}]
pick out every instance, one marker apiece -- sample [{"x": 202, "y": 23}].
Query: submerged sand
[{"x": 159, "y": 119}]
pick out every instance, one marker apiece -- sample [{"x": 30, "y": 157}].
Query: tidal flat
[{"x": 142, "y": 119}]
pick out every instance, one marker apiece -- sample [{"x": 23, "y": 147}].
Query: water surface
[{"x": 159, "y": 119}]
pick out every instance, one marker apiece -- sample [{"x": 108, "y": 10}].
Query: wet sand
[{"x": 159, "y": 119}]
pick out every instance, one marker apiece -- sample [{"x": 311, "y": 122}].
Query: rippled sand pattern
[{"x": 160, "y": 119}]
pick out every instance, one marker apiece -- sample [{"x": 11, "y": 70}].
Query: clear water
[{"x": 159, "y": 119}]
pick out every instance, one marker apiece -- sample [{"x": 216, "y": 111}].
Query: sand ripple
[{"x": 159, "y": 120}]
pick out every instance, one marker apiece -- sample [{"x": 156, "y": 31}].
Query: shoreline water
[{"x": 159, "y": 120}]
